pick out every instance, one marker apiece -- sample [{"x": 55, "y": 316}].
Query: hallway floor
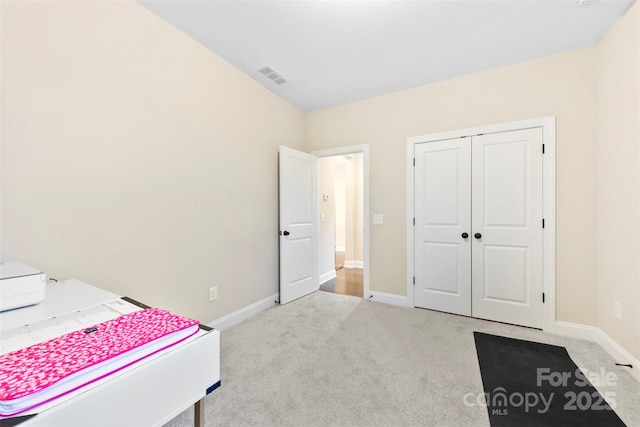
[{"x": 348, "y": 281}]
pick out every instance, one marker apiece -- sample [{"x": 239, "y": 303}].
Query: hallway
[{"x": 348, "y": 281}]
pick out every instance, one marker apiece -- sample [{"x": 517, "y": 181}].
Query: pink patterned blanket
[{"x": 42, "y": 372}]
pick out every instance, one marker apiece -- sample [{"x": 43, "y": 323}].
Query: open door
[{"x": 298, "y": 224}]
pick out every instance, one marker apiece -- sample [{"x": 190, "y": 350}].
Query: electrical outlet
[
  {"x": 213, "y": 293},
  {"x": 617, "y": 310}
]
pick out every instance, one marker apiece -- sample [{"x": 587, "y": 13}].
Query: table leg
[{"x": 198, "y": 413}]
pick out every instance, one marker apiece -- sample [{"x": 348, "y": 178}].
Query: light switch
[{"x": 378, "y": 218}]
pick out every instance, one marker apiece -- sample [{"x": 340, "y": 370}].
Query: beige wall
[
  {"x": 340, "y": 198},
  {"x": 561, "y": 85},
  {"x": 353, "y": 210},
  {"x": 618, "y": 180},
  {"x": 136, "y": 160},
  {"x": 357, "y": 202},
  {"x": 341, "y": 178},
  {"x": 327, "y": 235}
]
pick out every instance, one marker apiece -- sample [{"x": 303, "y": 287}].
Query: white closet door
[
  {"x": 442, "y": 215},
  {"x": 507, "y": 227}
]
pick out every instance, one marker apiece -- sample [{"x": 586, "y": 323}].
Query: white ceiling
[{"x": 333, "y": 52}]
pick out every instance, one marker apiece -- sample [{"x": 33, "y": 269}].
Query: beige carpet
[{"x": 335, "y": 360}]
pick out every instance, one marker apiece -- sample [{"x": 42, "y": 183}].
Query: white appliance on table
[{"x": 20, "y": 285}]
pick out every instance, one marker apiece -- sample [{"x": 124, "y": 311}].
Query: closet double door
[{"x": 478, "y": 226}]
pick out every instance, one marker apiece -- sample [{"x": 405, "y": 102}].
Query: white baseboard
[
  {"x": 619, "y": 354},
  {"x": 595, "y": 334},
  {"x": 386, "y": 298},
  {"x": 244, "y": 313},
  {"x": 353, "y": 264},
  {"x": 327, "y": 276},
  {"x": 575, "y": 330}
]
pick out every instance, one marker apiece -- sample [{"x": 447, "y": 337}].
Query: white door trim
[
  {"x": 352, "y": 149},
  {"x": 548, "y": 125}
]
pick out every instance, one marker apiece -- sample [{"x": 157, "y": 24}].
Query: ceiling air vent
[{"x": 272, "y": 74}]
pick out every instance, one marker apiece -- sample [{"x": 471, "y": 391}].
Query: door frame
[
  {"x": 353, "y": 149},
  {"x": 548, "y": 125}
]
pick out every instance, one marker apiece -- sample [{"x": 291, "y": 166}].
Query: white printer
[{"x": 20, "y": 285}]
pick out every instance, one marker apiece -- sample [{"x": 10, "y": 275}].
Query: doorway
[
  {"x": 343, "y": 248},
  {"x": 341, "y": 236}
]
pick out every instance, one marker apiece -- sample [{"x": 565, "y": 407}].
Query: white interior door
[
  {"x": 478, "y": 226},
  {"x": 443, "y": 226},
  {"x": 298, "y": 224},
  {"x": 507, "y": 227}
]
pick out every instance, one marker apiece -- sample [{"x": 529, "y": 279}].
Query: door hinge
[
  {"x": 414, "y": 220},
  {"x": 542, "y": 222},
  {"x": 543, "y": 297},
  {"x": 542, "y": 148},
  {"x": 414, "y": 161},
  {"x": 414, "y": 280}
]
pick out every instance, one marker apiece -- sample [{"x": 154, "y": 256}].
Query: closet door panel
[
  {"x": 507, "y": 227},
  {"x": 442, "y": 215}
]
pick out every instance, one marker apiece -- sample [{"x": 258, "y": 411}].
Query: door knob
[
  {"x": 465, "y": 235},
  {"x": 477, "y": 235},
  {"x": 286, "y": 233}
]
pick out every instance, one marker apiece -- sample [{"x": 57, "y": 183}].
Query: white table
[{"x": 149, "y": 393}]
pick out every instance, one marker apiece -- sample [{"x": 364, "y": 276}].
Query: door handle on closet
[
  {"x": 286, "y": 233},
  {"x": 465, "y": 235},
  {"x": 477, "y": 236}
]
